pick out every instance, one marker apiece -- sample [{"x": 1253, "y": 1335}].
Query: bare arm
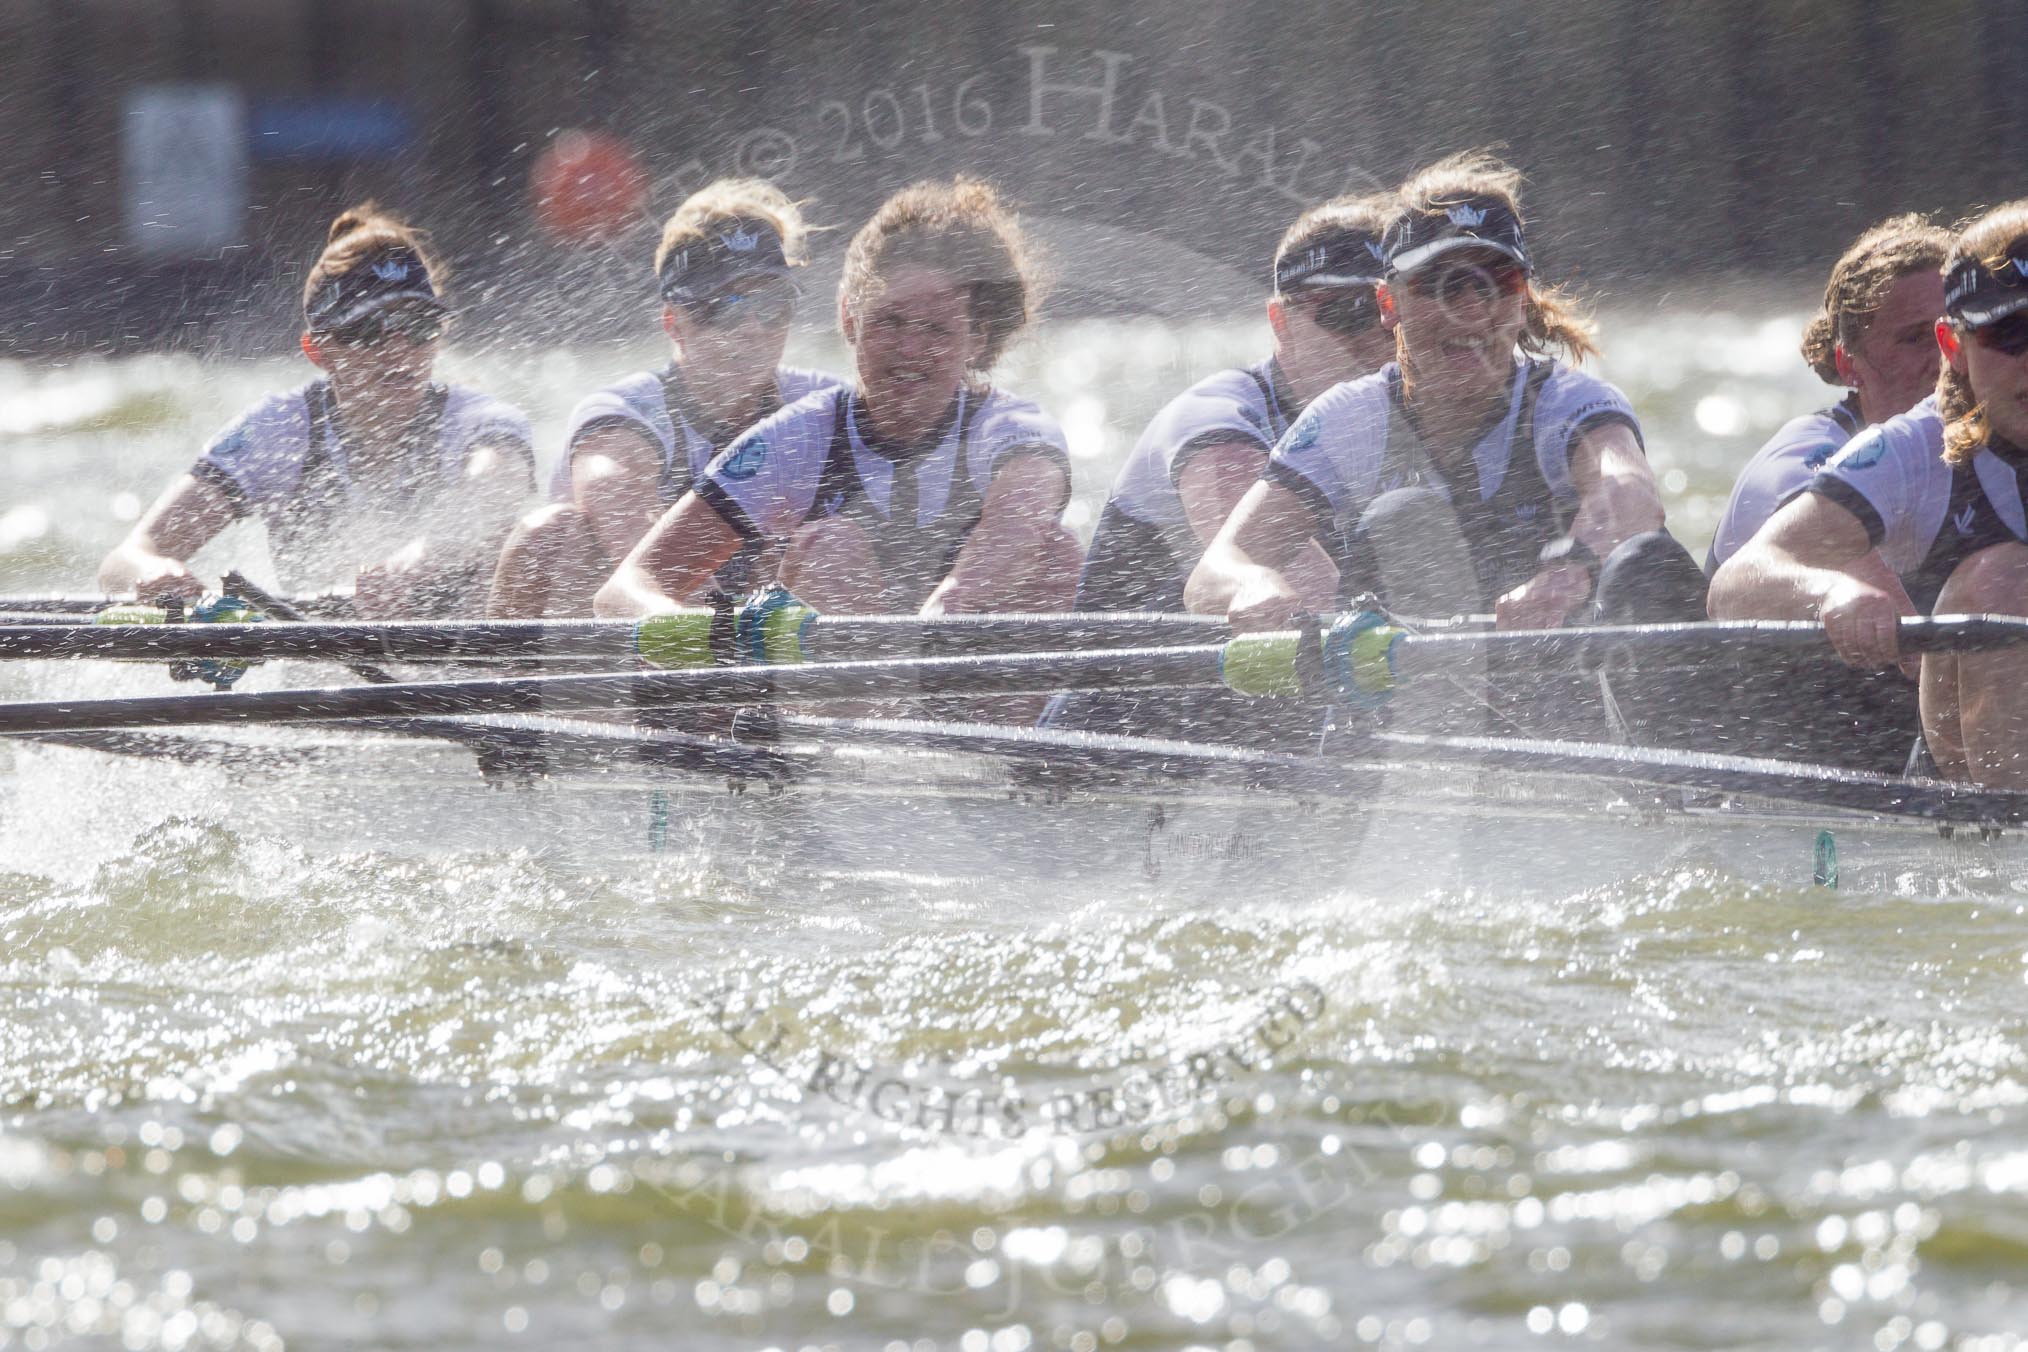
[
  {"x": 1616, "y": 500},
  {"x": 1211, "y": 485},
  {"x": 673, "y": 560},
  {"x": 150, "y": 561},
  {"x": 1811, "y": 561},
  {"x": 1025, "y": 498},
  {"x": 1244, "y": 574},
  {"x": 615, "y": 478},
  {"x": 1616, "y": 494}
]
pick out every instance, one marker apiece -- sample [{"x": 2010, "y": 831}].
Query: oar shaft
[
  {"x": 1674, "y": 647},
  {"x": 1027, "y": 673},
  {"x": 831, "y": 638}
]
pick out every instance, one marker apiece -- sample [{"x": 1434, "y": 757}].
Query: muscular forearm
[
  {"x": 1615, "y": 512},
  {"x": 631, "y": 593},
  {"x": 1769, "y": 584}
]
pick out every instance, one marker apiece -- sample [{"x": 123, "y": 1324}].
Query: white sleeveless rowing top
[
  {"x": 819, "y": 458},
  {"x": 1922, "y": 513},
  {"x": 659, "y": 406},
  {"x": 1143, "y": 550},
  {"x": 284, "y": 461},
  {"x": 1356, "y": 441}
]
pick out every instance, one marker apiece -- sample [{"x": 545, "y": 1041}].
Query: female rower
[
  {"x": 1936, "y": 493},
  {"x": 921, "y": 487},
  {"x": 1876, "y": 335},
  {"x": 1211, "y": 442},
  {"x": 1477, "y": 472},
  {"x": 373, "y": 473},
  {"x": 725, "y": 268}
]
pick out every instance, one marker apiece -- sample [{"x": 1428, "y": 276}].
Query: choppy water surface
[{"x": 259, "y": 1089}]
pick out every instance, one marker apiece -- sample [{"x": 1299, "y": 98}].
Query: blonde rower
[
  {"x": 373, "y": 475},
  {"x": 725, "y": 271},
  {"x": 1477, "y": 472}
]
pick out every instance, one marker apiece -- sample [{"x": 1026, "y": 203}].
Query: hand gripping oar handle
[{"x": 1364, "y": 656}]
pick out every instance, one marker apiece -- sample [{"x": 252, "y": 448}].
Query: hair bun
[{"x": 361, "y": 217}]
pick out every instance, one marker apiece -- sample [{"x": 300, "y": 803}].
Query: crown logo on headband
[
  {"x": 391, "y": 270},
  {"x": 1466, "y": 215},
  {"x": 741, "y": 241}
]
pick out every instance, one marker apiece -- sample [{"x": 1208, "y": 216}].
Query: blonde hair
[
  {"x": 728, "y": 202},
  {"x": 1898, "y": 247},
  {"x": 362, "y": 235},
  {"x": 1992, "y": 239},
  {"x": 1553, "y": 318},
  {"x": 1370, "y": 214},
  {"x": 960, "y": 228}
]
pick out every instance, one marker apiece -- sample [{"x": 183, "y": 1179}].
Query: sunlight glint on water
[{"x": 268, "y": 1089}]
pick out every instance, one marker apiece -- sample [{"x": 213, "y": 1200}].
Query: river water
[{"x": 263, "y": 1089}]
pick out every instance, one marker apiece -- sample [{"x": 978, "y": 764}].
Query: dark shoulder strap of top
[
  {"x": 1522, "y": 460},
  {"x": 1267, "y": 396},
  {"x": 675, "y": 475},
  {"x": 964, "y": 504},
  {"x": 317, "y": 403},
  {"x": 422, "y": 446},
  {"x": 1533, "y": 379},
  {"x": 839, "y": 479}
]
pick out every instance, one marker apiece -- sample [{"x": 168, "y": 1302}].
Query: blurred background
[
  {"x": 1694, "y": 169},
  {"x": 171, "y": 163}
]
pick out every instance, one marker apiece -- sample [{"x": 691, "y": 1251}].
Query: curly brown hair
[
  {"x": 961, "y": 228},
  {"x": 1897, "y": 247}
]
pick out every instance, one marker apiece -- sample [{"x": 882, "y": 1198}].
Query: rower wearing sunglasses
[
  {"x": 1936, "y": 492},
  {"x": 1477, "y": 472},
  {"x": 725, "y": 270},
  {"x": 1210, "y": 443},
  {"x": 373, "y": 474}
]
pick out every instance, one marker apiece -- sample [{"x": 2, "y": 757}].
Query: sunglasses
[
  {"x": 772, "y": 306},
  {"x": 2009, "y": 337},
  {"x": 417, "y": 326},
  {"x": 1459, "y": 282},
  {"x": 1346, "y": 312}
]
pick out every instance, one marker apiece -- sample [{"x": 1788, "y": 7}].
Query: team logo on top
[
  {"x": 391, "y": 270},
  {"x": 744, "y": 460},
  {"x": 741, "y": 241},
  {"x": 1963, "y": 520},
  {"x": 2020, "y": 267},
  {"x": 1379, "y": 254},
  {"x": 1862, "y": 454},
  {"x": 1468, "y": 216},
  {"x": 1303, "y": 435}
]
